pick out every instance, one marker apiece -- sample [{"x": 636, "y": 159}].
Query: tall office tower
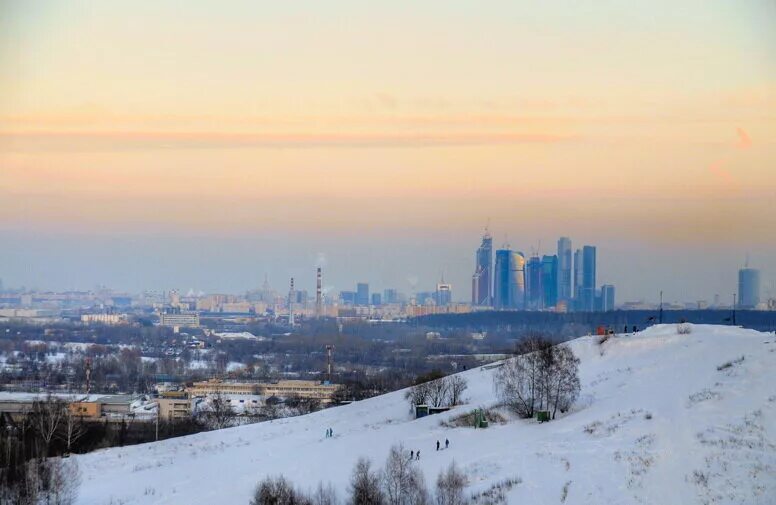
[
  {"x": 362, "y": 293},
  {"x": 482, "y": 278},
  {"x": 501, "y": 294},
  {"x": 509, "y": 292},
  {"x": 587, "y": 294},
  {"x": 534, "y": 291},
  {"x": 564, "y": 269},
  {"x": 517, "y": 281},
  {"x": 748, "y": 288},
  {"x": 550, "y": 280},
  {"x": 579, "y": 270},
  {"x": 607, "y": 298},
  {"x": 390, "y": 295},
  {"x": 377, "y": 299},
  {"x": 444, "y": 293}
]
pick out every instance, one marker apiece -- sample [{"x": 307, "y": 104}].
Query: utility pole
[{"x": 660, "y": 314}]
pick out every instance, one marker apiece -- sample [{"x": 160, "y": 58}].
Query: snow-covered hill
[{"x": 663, "y": 418}]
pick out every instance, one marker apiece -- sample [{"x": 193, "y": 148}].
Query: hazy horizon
[{"x": 160, "y": 146}]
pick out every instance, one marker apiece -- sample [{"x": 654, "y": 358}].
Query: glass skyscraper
[
  {"x": 509, "y": 292},
  {"x": 482, "y": 278},
  {"x": 564, "y": 269},
  {"x": 587, "y": 294},
  {"x": 534, "y": 292},
  {"x": 362, "y": 293},
  {"x": 607, "y": 298},
  {"x": 550, "y": 281},
  {"x": 748, "y": 288}
]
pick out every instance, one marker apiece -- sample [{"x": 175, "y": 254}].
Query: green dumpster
[{"x": 542, "y": 416}]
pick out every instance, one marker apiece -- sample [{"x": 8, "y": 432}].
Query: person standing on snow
[
  {"x": 417, "y": 456},
  {"x": 447, "y": 443},
  {"x": 437, "y": 445},
  {"x": 412, "y": 455}
]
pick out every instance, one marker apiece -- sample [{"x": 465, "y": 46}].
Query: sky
[{"x": 202, "y": 145}]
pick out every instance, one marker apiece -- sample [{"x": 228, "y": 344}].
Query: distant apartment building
[
  {"x": 283, "y": 389},
  {"x": 215, "y": 386},
  {"x": 109, "y": 319},
  {"x": 183, "y": 320},
  {"x": 172, "y": 409}
]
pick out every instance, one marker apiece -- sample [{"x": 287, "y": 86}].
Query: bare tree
[
  {"x": 542, "y": 377},
  {"x": 563, "y": 384},
  {"x": 72, "y": 427},
  {"x": 418, "y": 394},
  {"x": 403, "y": 482},
  {"x": 457, "y": 385},
  {"x": 438, "y": 392},
  {"x": 365, "y": 485},
  {"x": 46, "y": 416},
  {"x": 450, "y": 487},
  {"x": 218, "y": 412},
  {"x": 325, "y": 495}
]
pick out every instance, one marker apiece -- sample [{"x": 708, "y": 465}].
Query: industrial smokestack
[{"x": 318, "y": 295}]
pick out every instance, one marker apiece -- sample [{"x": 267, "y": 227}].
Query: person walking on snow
[
  {"x": 437, "y": 445},
  {"x": 412, "y": 455},
  {"x": 417, "y": 456},
  {"x": 447, "y": 443}
]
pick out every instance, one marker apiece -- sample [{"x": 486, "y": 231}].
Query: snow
[
  {"x": 243, "y": 335},
  {"x": 661, "y": 420}
]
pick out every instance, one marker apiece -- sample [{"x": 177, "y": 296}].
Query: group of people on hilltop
[{"x": 329, "y": 433}]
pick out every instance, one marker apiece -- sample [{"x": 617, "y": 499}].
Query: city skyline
[
  {"x": 305, "y": 279},
  {"x": 385, "y": 137}
]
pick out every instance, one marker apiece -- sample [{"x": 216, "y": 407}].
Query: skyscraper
[
  {"x": 534, "y": 292},
  {"x": 565, "y": 292},
  {"x": 579, "y": 270},
  {"x": 509, "y": 292},
  {"x": 517, "y": 281},
  {"x": 748, "y": 288},
  {"x": 444, "y": 293},
  {"x": 362, "y": 293},
  {"x": 550, "y": 280},
  {"x": 607, "y": 298},
  {"x": 588, "y": 278},
  {"x": 482, "y": 278}
]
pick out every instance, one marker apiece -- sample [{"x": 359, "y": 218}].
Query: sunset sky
[{"x": 203, "y": 144}]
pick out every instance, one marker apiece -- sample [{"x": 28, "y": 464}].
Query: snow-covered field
[{"x": 663, "y": 418}]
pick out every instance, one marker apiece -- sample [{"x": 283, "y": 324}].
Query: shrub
[
  {"x": 684, "y": 328},
  {"x": 278, "y": 491}
]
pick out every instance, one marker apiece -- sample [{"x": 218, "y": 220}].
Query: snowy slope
[{"x": 657, "y": 423}]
